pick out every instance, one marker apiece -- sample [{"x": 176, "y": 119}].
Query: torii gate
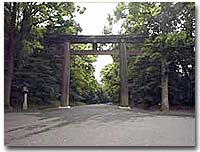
[{"x": 122, "y": 40}]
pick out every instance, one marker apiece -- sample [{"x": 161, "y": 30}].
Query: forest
[{"x": 170, "y": 30}]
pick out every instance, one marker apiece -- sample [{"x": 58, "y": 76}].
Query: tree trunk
[
  {"x": 24, "y": 34},
  {"x": 164, "y": 85},
  {"x": 9, "y": 67},
  {"x": 10, "y": 46}
]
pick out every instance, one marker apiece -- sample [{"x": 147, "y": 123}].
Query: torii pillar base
[
  {"x": 125, "y": 108},
  {"x": 64, "y": 107}
]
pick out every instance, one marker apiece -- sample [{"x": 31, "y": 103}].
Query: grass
[{"x": 78, "y": 103}]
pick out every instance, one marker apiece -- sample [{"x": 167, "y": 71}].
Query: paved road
[{"x": 97, "y": 125}]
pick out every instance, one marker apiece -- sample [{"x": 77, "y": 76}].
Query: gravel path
[{"x": 97, "y": 125}]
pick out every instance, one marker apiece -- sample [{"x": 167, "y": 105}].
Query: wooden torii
[{"x": 122, "y": 40}]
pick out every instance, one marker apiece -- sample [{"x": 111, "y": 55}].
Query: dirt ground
[{"x": 99, "y": 125}]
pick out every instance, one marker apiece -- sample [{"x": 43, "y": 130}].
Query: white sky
[{"x": 92, "y": 22}]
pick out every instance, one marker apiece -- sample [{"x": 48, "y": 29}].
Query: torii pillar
[
  {"x": 65, "y": 75},
  {"x": 123, "y": 75}
]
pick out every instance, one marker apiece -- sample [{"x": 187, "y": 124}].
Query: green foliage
[
  {"x": 40, "y": 66},
  {"x": 82, "y": 80},
  {"x": 42, "y": 82},
  {"x": 171, "y": 31},
  {"x": 110, "y": 81}
]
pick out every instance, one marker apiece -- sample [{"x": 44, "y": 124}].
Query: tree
[
  {"x": 168, "y": 50},
  {"x": 110, "y": 81},
  {"x": 83, "y": 82},
  {"x": 28, "y": 61},
  {"x": 9, "y": 49}
]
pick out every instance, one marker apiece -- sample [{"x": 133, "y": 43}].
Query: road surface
[{"x": 97, "y": 125}]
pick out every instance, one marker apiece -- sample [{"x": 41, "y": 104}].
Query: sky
[{"x": 92, "y": 22}]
